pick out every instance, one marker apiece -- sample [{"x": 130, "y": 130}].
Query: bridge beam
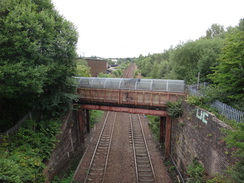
[
  {"x": 162, "y": 129},
  {"x": 165, "y": 120},
  {"x": 81, "y": 125},
  {"x": 87, "y": 121},
  {"x": 125, "y": 109},
  {"x": 168, "y": 137}
]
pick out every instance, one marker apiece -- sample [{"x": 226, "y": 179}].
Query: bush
[
  {"x": 10, "y": 171},
  {"x": 154, "y": 124},
  {"x": 195, "y": 172},
  {"x": 23, "y": 154},
  {"x": 95, "y": 115},
  {"x": 174, "y": 109}
]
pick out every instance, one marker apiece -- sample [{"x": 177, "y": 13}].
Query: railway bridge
[{"x": 139, "y": 96}]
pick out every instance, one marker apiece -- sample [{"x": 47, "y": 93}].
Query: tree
[
  {"x": 241, "y": 24},
  {"x": 82, "y": 68},
  {"x": 229, "y": 74},
  {"x": 195, "y": 56},
  {"x": 215, "y": 30},
  {"x": 37, "y": 50}
]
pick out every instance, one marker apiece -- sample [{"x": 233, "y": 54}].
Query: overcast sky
[{"x": 128, "y": 28}]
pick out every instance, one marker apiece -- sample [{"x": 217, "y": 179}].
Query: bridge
[
  {"x": 145, "y": 96},
  {"x": 139, "y": 96}
]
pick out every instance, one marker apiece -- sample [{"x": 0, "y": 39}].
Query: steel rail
[
  {"x": 110, "y": 141},
  {"x": 147, "y": 148},
  {"x": 142, "y": 159},
  {"x": 96, "y": 148},
  {"x": 134, "y": 151}
]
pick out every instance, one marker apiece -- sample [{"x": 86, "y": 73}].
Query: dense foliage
[
  {"x": 22, "y": 155},
  {"x": 82, "y": 68},
  {"x": 186, "y": 59},
  {"x": 229, "y": 74},
  {"x": 216, "y": 57},
  {"x": 37, "y": 50},
  {"x": 174, "y": 109}
]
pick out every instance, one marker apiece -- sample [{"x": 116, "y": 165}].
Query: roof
[{"x": 132, "y": 84}]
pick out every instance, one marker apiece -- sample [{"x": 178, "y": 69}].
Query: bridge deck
[{"x": 129, "y": 92}]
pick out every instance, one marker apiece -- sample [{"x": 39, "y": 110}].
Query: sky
[{"x": 128, "y": 28}]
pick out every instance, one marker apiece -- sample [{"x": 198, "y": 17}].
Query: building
[{"x": 97, "y": 66}]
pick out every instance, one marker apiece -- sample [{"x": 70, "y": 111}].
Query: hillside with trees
[{"x": 217, "y": 57}]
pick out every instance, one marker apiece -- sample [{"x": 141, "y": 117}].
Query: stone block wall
[
  {"x": 197, "y": 134},
  {"x": 67, "y": 147}
]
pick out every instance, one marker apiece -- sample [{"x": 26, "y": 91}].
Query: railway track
[
  {"x": 101, "y": 164},
  {"x": 99, "y": 161},
  {"x": 129, "y": 72},
  {"x": 143, "y": 164}
]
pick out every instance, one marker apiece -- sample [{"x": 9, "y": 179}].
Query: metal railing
[{"x": 224, "y": 109}]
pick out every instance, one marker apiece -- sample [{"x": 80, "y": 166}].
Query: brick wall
[
  {"x": 197, "y": 134},
  {"x": 97, "y": 66},
  {"x": 67, "y": 148}
]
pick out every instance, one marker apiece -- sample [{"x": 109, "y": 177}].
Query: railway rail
[
  {"x": 99, "y": 161},
  {"x": 129, "y": 72},
  {"x": 143, "y": 164},
  {"x": 98, "y": 168}
]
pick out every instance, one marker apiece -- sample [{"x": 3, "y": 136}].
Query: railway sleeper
[
  {"x": 95, "y": 173},
  {"x": 97, "y": 169},
  {"x": 145, "y": 170},
  {"x": 140, "y": 161},
  {"x": 103, "y": 145},
  {"x": 146, "y": 180},
  {"x": 138, "y": 137},
  {"x": 143, "y": 166},
  {"x": 101, "y": 153},
  {"x": 141, "y": 150},
  {"x": 142, "y": 155}
]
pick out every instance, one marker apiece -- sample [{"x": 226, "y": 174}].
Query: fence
[
  {"x": 224, "y": 109},
  {"x": 18, "y": 125}
]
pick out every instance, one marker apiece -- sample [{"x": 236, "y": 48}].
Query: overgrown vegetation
[
  {"x": 234, "y": 139},
  {"x": 23, "y": 155},
  {"x": 174, "y": 109},
  {"x": 95, "y": 116},
  {"x": 82, "y": 69},
  {"x": 154, "y": 123},
  {"x": 195, "y": 172}
]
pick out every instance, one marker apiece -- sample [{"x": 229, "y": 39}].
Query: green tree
[
  {"x": 195, "y": 56},
  {"x": 229, "y": 74},
  {"x": 241, "y": 24},
  {"x": 82, "y": 68},
  {"x": 215, "y": 30},
  {"x": 37, "y": 50}
]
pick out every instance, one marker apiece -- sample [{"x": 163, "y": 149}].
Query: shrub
[
  {"x": 23, "y": 154},
  {"x": 174, "y": 109},
  {"x": 195, "y": 172}
]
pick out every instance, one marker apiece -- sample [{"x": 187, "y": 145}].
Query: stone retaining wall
[
  {"x": 68, "y": 146},
  {"x": 197, "y": 134}
]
